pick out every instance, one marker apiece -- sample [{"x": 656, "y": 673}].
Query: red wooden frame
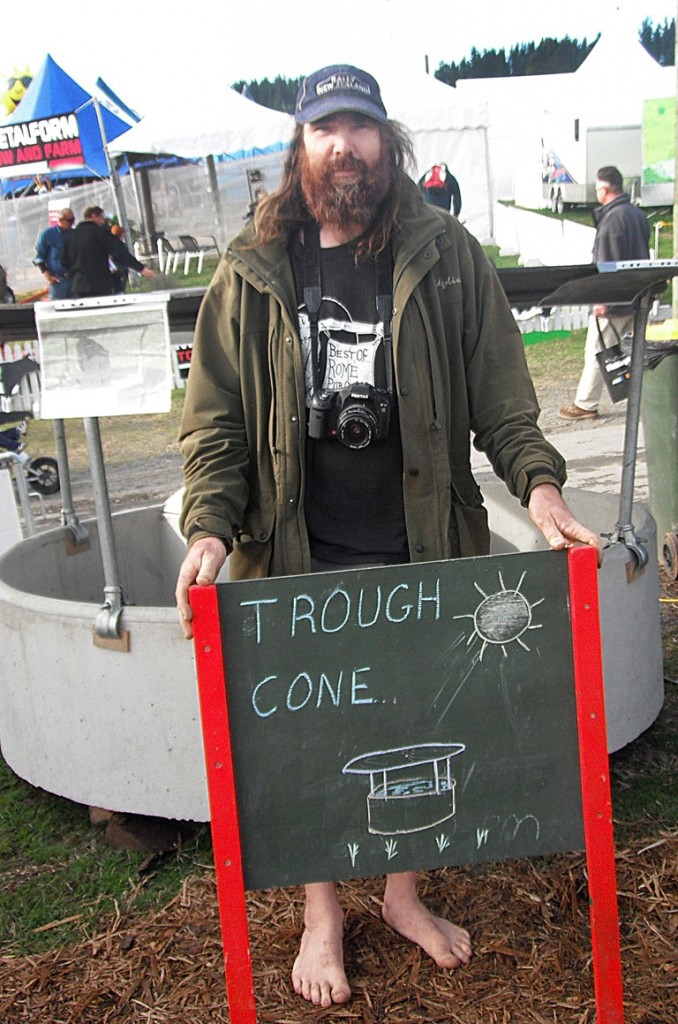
[
  {"x": 595, "y": 784},
  {"x": 595, "y": 788},
  {"x": 223, "y": 807}
]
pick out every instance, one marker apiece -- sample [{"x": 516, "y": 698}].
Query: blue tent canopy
[{"x": 55, "y": 131}]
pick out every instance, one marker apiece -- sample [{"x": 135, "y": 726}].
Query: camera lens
[{"x": 356, "y": 426}]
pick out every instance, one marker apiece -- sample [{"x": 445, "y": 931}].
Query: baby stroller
[{"x": 42, "y": 472}]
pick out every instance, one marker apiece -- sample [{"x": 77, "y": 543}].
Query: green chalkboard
[{"x": 405, "y": 717}]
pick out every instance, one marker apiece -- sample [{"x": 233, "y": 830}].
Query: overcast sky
[{"x": 151, "y": 52}]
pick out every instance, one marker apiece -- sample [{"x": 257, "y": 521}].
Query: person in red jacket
[{"x": 440, "y": 188}]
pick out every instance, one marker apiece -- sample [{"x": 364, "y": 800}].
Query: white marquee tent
[
  {"x": 221, "y": 122},
  {"x": 607, "y": 90},
  {"x": 444, "y": 127},
  {"x": 227, "y": 123}
]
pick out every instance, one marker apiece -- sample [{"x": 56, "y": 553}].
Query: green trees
[
  {"x": 550, "y": 56},
  {"x": 659, "y": 40},
  {"x": 280, "y": 94}
]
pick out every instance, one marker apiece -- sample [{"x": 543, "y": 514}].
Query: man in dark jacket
[
  {"x": 346, "y": 277},
  {"x": 86, "y": 253},
  {"x": 622, "y": 233}
]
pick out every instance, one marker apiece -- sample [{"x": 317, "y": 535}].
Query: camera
[{"x": 356, "y": 415}]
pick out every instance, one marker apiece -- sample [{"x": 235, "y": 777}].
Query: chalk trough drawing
[
  {"x": 502, "y": 617},
  {"x": 411, "y": 788}
]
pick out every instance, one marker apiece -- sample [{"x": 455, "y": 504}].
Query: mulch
[{"x": 532, "y": 963}]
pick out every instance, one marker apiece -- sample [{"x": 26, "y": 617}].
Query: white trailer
[{"x": 572, "y": 154}]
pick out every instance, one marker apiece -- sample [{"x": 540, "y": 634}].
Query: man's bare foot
[
  {"x": 448, "y": 945},
  {"x": 318, "y": 973}
]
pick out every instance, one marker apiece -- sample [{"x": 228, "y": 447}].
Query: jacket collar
[
  {"x": 601, "y": 211},
  {"x": 268, "y": 268}
]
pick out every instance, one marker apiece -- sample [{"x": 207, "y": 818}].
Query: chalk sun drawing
[{"x": 501, "y": 618}]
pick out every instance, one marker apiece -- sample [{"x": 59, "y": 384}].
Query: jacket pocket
[
  {"x": 470, "y": 519},
  {"x": 472, "y": 530},
  {"x": 253, "y": 544},
  {"x": 250, "y": 560}
]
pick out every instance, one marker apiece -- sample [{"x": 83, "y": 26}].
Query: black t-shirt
[{"x": 354, "y": 500}]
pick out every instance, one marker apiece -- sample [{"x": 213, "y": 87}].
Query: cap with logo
[{"x": 338, "y": 89}]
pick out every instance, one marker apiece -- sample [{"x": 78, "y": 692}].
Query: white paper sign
[{"x": 104, "y": 357}]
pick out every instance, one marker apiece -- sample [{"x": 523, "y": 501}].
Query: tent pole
[
  {"x": 213, "y": 186},
  {"x": 114, "y": 177},
  {"x": 490, "y": 195}
]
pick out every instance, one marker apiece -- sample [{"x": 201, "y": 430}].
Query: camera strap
[
  {"x": 313, "y": 299},
  {"x": 313, "y": 293}
]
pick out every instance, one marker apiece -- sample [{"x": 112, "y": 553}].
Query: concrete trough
[{"x": 121, "y": 730}]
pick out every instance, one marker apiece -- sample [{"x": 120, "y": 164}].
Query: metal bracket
[
  {"x": 106, "y": 621},
  {"x": 79, "y": 539},
  {"x": 628, "y": 537}
]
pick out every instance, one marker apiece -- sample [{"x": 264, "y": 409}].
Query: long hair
[{"x": 278, "y": 214}]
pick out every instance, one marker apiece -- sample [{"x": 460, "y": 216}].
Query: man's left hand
[{"x": 551, "y": 515}]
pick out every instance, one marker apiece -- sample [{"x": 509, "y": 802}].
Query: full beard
[{"x": 340, "y": 202}]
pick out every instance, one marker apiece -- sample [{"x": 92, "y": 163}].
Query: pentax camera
[{"x": 356, "y": 415}]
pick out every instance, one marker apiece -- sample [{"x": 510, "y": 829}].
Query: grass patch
[
  {"x": 192, "y": 279},
  {"x": 537, "y": 337},
  {"x": 557, "y": 360},
  {"x": 492, "y": 252},
  {"x": 644, "y": 776},
  {"x": 123, "y": 438},
  {"x": 60, "y": 882}
]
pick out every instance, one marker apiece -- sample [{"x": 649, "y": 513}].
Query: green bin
[{"x": 659, "y": 414}]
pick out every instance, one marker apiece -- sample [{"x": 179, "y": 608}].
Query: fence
[{"x": 181, "y": 198}]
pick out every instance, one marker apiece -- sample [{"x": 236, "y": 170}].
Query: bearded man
[{"x": 352, "y": 340}]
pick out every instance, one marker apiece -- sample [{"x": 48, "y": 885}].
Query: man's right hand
[{"x": 201, "y": 565}]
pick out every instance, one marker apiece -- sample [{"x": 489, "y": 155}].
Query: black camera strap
[
  {"x": 313, "y": 294},
  {"x": 313, "y": 299},
  {"x": 385, "y": 312}
]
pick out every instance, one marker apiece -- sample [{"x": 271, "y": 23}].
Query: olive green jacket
[{"x": 459, "y": 370}]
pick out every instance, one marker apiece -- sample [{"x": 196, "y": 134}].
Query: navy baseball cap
[{"x": 337, "y": 89}]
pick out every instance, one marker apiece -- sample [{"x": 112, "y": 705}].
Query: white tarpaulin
[
  {"x": 104, "y": 356},
  {"x": 222, "y": 122}
]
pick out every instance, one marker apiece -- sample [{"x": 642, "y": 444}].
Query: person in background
[
  {"x": 48, "y": 252},
  {"x": 346, "y": 266},
  {"x": 7, "y": 296},
  {"x": 87, "y": 251},
  {"x": 622, "y": 233},
  {"x": 440, "y": 188},
  {"x": 119, "y": 272}
]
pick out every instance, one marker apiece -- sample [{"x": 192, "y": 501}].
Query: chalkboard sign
[
  {"x": 407, "y": 717},
  {"x": 402, "y": 717}
]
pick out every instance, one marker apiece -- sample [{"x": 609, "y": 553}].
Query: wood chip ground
[{"x": 532, "y": 963}]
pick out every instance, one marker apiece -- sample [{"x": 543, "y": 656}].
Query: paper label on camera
[{"x": 350, "y": 351}]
